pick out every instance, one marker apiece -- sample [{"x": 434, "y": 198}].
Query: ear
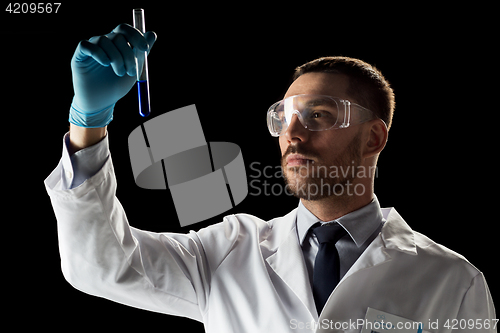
[{"x": 377, "y": 138}]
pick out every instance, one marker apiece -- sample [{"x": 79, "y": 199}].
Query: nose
[{"x": 296, "y": 131}]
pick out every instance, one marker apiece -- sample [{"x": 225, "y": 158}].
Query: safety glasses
[{"x": 316, "y": 113}]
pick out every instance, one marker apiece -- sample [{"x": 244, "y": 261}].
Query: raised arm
[{"x": 101, "y": 254}]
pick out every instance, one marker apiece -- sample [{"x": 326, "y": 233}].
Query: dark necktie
[{"x": 326, "y": 274}]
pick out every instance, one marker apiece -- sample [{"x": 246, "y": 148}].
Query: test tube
[{"x": 142, "y": 73}]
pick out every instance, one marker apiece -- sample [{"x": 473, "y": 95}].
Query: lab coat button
[{"x": 69, "y": 174}]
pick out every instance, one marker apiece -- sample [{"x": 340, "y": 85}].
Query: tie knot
[{"x": 329, "y": 233}]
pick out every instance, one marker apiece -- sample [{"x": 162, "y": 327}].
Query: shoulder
[
  {"x": 424, "y": 253},
  {"x": 432, "y": 251}
]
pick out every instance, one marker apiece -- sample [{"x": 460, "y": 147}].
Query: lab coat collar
[
  {"x": 282, "y": 251},
  {"x": 396, "y": 234}
]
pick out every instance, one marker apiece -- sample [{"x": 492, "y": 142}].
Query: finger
[
  {"x": 87, "y": 49},
  {"x": 112, "y": 52},
  {"x": 150, "y": 38},
  {"x": 126, "y": 52},
  {"x": 133, "y": 36}
]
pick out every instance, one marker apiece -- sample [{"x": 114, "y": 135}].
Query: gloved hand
[{"x": 104, "y": 70}]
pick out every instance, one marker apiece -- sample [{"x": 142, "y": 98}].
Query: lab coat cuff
[
  {"x": 84, "y": 163},
  {"x": 74, "y": 170}
]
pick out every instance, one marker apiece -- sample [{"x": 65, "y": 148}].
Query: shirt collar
[{"x": 359, "y": 224}]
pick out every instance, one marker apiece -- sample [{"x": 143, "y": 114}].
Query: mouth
[{"x": 298, "y": 160}]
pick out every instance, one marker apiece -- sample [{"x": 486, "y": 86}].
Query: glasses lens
[
  {"x": 274, "y": 123},
  {"x": 317, "y": 113}
]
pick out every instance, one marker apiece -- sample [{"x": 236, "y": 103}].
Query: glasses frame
[{"x": 345, "y": 108}]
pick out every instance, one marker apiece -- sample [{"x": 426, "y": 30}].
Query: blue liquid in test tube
[
  {"x": 142, "y": 72},
  {"x": 143, "y": 89}
]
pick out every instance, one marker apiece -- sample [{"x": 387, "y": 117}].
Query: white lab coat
[{"x": 248, "y": 275}]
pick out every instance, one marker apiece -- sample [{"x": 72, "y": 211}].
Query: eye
[{"x": 321, "y": 114}]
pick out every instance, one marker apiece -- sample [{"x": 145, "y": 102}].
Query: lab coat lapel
[
  {"x": 395, "y": 235},
  {"x": 288, "y": 261}
]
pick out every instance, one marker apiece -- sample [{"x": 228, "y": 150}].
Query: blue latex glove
[{"x": 104, "y": 70}]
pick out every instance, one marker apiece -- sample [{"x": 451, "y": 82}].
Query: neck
[{"x": 334, "y": 207}]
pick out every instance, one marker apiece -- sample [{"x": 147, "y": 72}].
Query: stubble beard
[{"x": 316, "y": 181}]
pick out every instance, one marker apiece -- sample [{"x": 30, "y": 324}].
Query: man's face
[{"x": 317, "y": 164}]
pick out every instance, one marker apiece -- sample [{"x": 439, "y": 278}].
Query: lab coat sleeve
[
  {"x": 103, "y": 256},
  {"x": 477, "y": 313}
]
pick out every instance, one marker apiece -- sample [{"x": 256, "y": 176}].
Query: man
[{"x": 325, "y": 266}]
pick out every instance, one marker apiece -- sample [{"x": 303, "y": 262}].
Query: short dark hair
[{"x": 367, "y": 85}]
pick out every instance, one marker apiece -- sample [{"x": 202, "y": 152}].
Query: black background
[{"x": 233, "y": 61}]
